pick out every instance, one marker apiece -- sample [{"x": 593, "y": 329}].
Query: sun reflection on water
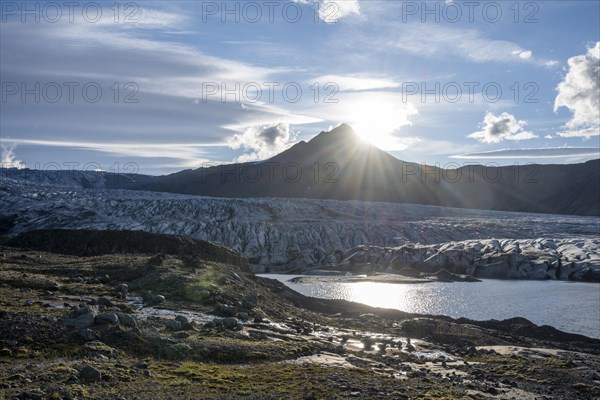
[{"x": 569, "y": 306}]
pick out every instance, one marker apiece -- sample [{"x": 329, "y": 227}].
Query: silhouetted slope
[{"x": 338, "y": 165}]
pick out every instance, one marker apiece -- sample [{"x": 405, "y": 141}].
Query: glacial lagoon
[{"x": 569, "y": 306}]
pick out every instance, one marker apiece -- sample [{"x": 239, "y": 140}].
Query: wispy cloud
[
  {"x": 157, "y": 65},
  {"x": 158, "y": 150},
  {"x": 439, "y": 41},
  {"x": 546, "y": 152}
]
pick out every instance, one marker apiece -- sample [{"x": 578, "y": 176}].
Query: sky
[{"x": 154, "y": 87}]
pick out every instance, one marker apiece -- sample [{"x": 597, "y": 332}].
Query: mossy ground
[{"x": 40, "y": 356}]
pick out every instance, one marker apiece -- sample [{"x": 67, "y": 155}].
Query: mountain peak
[
  {"x": 341, "y": 132},
  {"x": 343, "y": 129}
]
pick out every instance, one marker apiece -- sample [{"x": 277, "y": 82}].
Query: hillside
[
  {"x": 337, "y": 165},
  {"x": 149, "y": 321}
]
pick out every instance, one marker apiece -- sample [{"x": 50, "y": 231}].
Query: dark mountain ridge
[{"x": 337, "y": 165}]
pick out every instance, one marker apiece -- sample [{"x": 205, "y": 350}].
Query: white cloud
[
  {"x": 547, "y": 152},
  {"x": 331, "y": 11},
  {"x": 580, "y": 93},
  {"x": 551, "y": 63},
  {"x": 525, "y": 55},
  {"x": 262, "y": 141},
  {"x": 356, "y": 82},
  {"x": 8, "y": 158},
  {"x": 496, "y": 128}
]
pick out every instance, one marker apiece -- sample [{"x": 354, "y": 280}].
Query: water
[{"x": 568, "y": 306}]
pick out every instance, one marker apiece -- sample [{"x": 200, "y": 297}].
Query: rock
[
  {"x": 157, "y": 299},
  {"x": 90, "y": 374},
  {"x": 244, "y": 316},
  {"x": 122, "y": 288},
  {"x": 86, "y": 335},
  {"x": 592, "y": 376},
  {"x": 226, "y": 310},
  {"x": 173, "y": 325},
  {"x": 105, "y": 302},
  {"x": 492, "y": 390},
  {"x": 82, "y": 321},
  {"x": 126, "y": 319},
  {"x": 143, "y": 364},
  {"x": 186, "y": 324},
  {"x": 32, "y": 395},
  {"x": 209, "y": 325},
  {"x": 230, "y": 322},
  {"x": 250, "y": 302},
  {"x": 83, "y": 310},
  {"x": 472, "y": 351},
  {"x": 107, "y": 319}
]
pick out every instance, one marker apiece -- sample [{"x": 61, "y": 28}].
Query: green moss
[
  {"x": 178, "y": 351},
  {"x": 196, "y": 292},
  {"x": 558, "y": 362}
]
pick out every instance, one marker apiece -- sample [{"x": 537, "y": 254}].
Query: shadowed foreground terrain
[{"x": 120, "y": 315}]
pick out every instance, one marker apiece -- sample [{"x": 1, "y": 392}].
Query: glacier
[{"x": 299, "y": 235}]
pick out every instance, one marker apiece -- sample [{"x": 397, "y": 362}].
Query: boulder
[
  {"x": 157, "y": 299},
  {"x": 122, "y": 288},
  {"x": 173, "y": 325},
  {"x": 230, "y": 323},
  {"x": 82, "y": 318},
  {"x": 90, "y": 374},
  {"x": 126, "y": 319},
  {"x": 226, "y": 310},
  {"x": 107, "y": 319},
  {"x": 86, "y": 335}
]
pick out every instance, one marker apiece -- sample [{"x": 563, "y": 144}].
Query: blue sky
[{"x": 159, "y": 86}]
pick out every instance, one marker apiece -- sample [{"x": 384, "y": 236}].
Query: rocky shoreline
[{"x": 190, "y": 320}]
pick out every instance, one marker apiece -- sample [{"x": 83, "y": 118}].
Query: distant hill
[{"x": 337, "y": 165}]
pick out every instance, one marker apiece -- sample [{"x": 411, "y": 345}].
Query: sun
[{"x": 376, "y": 118}]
